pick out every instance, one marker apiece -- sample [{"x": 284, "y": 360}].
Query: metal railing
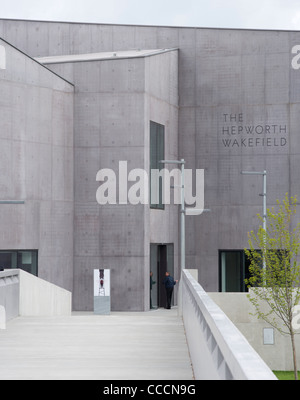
[{"x": 217, "y": 348}]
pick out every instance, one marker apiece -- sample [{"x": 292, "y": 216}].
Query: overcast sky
[{"x": 257, "y": 14}]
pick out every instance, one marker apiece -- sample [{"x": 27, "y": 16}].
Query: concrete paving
[{"x": 122, "y": 346}]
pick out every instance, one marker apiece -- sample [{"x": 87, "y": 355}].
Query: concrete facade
[
  {"x": 230, "y": 101},
  {"x": 115, "y": 100},
  {"x": 36, "y": 138}
]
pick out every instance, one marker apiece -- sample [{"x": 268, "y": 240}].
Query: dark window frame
[
  {"x": 17, "y": 253},
  {"x": 157, "y": 154},
  {"x": 243, "y": 270}
]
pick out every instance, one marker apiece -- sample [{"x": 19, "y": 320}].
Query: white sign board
[
  {"x": 269, "y": 336},
  {"x": 101, "y": 283}
]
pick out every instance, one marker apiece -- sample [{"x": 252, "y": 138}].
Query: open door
[{"x": 161, "y": 261}]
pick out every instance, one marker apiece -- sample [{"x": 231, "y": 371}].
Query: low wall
[
  {"x": 218, "y": 349},
  {"x": 41, "y": 298},
  {"x": 22, "y": 294},
  {"x": 278, "y": 353},
  {"x": 9, "y": 295}
]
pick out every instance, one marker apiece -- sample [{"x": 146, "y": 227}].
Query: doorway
[{"x": 161, "y": 261}]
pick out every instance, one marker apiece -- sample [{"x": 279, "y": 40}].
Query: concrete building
[{"x": 77, "y": 98}]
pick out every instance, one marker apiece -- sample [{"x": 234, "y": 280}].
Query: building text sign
[
  {"x": 2, "y": 57},
  {"x": 236, "y": 133}
]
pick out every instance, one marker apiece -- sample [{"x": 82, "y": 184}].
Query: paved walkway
[{"x": 122, "y": 346}]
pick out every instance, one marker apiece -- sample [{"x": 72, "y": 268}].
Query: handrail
[{"x": 218, "y": 349}]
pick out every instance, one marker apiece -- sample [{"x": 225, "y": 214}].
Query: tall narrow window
[{"x": 157, "y": 154}]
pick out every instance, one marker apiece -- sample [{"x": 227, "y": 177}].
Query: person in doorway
[
  {"x": 169, "y": 285},
  {"x": 152, "y": 282}
]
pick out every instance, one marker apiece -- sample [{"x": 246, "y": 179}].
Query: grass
[{"x": 285, "y": 375}]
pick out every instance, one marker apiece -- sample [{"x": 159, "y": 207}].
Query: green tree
[{"x": 274, "y": 285}]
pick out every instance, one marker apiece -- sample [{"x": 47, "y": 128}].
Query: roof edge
[
  {"x": 33, "y": 59},
  {"x": 103, "y": 56},
  {"x": 150, "y": 25}
]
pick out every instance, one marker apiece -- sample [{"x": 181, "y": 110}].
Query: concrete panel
[
  {"x": 277, "y": 78},
  {"x": 87, "y": 128},
  {"x": 86, "y": 168},
  {"x": 223, "y": 42},
  {"x": 121, "y": 123},
  {"x": 123, "y": 37},
  {"x": 40, "y": 298},
  {"x": 60, "y": 42},
  {"x": 125, "y": 239},
  {"x": 37, "y": 114},
  {"x": 87, "y": 230},
  {"x": 122, "y": 76},
  {"x": 102, "y": 305},
  {"x": 253, "y": 78},
  {"x": 264, "y": 42}
]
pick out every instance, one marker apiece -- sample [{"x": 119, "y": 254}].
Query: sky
[{"x": 253, "y": 14}]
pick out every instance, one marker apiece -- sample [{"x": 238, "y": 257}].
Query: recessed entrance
[{"x": 161, "y": 261}]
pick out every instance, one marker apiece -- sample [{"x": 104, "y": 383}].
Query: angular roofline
[
  {"x": 102, "y": 56},
  {"x": 31, "y": 58},
  {"x": 149, "y": 26}
]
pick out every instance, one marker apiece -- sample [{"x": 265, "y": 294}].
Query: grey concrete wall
[
  {"x": 278, "y": 356},
  {"x": 162, "y": 107},
  {"x": 36, "y": 139},
  {"x": 114, "y": 103},
  {"x": 109, "y": 127},
  {"x": 39, "y": 298},
  {"x": 244, "y": 74}
]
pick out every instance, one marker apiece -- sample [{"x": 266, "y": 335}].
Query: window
[
  {"x": 157, "y": 154},
  {"x": 233, "y": 270},
  {"x": 22, "y": 259}
]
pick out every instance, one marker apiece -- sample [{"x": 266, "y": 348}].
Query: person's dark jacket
[{"x": 169, "y": 282}]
